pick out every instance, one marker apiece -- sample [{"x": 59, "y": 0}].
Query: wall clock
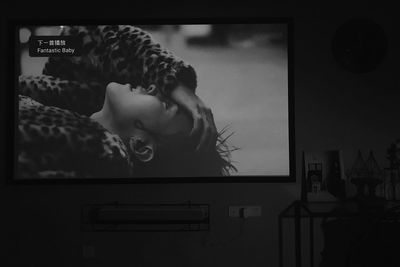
[{"x": 359, "y": 45}]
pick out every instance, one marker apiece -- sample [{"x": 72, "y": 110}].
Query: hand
[{"x": 203, "y": 120}]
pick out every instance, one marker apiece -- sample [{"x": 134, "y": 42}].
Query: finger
[
  {"x": 204, "y": 137},
  {"x": 212, "y": 132},
  {"x": 208, "y": 140},
  {"x": 208, "y": 136},
  {"x": 197, "y": 126}
]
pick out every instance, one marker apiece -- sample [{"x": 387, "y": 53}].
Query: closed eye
[{"x": 139, "y": 124}]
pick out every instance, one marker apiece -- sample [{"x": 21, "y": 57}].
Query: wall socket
[
  {"x": 88, "y": 251},
  {"x": 244, "y": 211}
]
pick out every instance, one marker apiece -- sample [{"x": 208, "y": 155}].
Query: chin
[
  {"x": 110, "y": 96},
  {"x": 113, "y": 93},
  {"x": 111, "y": 87}
]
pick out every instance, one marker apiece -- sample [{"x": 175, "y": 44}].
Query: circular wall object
[{"x": 359, "y": 45}]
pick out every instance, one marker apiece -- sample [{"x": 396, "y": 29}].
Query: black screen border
[{"x": 12, "y": 106}]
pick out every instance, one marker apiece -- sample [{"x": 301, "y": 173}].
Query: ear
[
  {"x": 151, "y": 90},
  {"x": 142, "y": 147}
]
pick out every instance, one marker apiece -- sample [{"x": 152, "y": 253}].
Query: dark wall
[{"x": 334, "y": 109}]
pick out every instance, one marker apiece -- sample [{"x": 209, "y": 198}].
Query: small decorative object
[
  {"x": 389, "y": 187},
  {"x": 393, "y": 155},
  {"x": 323, "y": 176},
  {"x": 314, "y": 177},
  {"x": 380, "y": 188},
  {"x": 375, "y": 175},
  {"x": 397, "y": 187},
  {"x": 358, "y": 174},
  {"x": 366, "y": 176}
]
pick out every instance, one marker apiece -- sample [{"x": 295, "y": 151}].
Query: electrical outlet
[
  {"x": 244, "y": 211},
  {"x": 88, "y": 251}
]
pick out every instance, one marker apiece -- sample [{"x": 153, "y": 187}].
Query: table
[{"x": 311, "y": 210}]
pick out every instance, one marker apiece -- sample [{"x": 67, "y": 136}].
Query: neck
[{"x": 105, "y": 119}]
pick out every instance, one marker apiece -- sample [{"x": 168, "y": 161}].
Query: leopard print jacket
[{"x": 56, "y": 137}]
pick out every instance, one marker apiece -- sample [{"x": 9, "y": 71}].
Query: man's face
[{"x": 130, "y": 106}]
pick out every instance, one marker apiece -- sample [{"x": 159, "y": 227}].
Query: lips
[
  {"x": 165, "y": 105},
  {"x": 174, "y": 109}
]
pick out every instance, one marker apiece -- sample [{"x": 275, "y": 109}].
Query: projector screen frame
[{"x": 12, "y": 106}]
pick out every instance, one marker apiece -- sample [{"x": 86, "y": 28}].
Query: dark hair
[{"x": 176, "y": 156}]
